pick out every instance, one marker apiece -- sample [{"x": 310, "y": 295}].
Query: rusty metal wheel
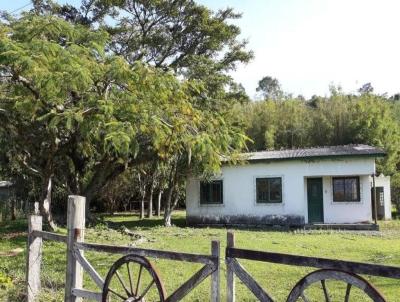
[
  {"x": 133, "y": 279},
  {"x": 322, "y": 276}
]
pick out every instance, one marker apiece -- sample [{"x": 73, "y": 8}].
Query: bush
[{"x": 5, "y": 282}]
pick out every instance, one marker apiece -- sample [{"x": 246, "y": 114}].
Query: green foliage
[
  {"x": 270, "y": 88},
  {"x": 74, "y": 111},
  {"x": 5, "y": 282},
  {"x": 180, "y": 35},
  {"x": 335, "y": 120}
]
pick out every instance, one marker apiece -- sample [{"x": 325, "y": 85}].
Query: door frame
[
  {"x": 379, "y": 208},
  {"x": 322, "y": 200}
]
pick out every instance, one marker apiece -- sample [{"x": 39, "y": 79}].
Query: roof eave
[{"x": 312, "y": 158}]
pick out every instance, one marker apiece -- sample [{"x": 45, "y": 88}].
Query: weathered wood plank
[
  {"x": 348, "y": 266},
  {"x": 34, "y": 258},
  {"x": 112, "y": 249},
  {"x": 76, "y": 229},
  {"x": 230, "y": 275},
  {"x": 215, "y": 276},
  {"x": 50, "y": 236},
  {"x": 190, "y": 284},
  {"x": 251, "y": 284},
  {"x": 89, "y": 268},
  {"x": 82, "y": 293}
]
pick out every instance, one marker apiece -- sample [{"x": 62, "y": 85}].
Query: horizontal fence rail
[
  {"x": 350, "y": 266},
  {"x": 124, "y": 250},
  {"x": 50, "y": 236}
]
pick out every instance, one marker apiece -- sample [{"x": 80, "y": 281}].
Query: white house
[{"x": 330, "y": 185}]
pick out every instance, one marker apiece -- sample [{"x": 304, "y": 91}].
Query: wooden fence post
[
  {"x": 215, "y": 276},
  {"x": 34, "y": 258},
  {"x": 230, "y": 275},
  {"x": 76, "y": 229}
]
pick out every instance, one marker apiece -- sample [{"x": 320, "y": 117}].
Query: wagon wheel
[
  {"x": 133, "y": 279},
  {"x": 321, "y": 276}
]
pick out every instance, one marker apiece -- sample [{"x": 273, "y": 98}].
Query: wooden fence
[
  {"x": 77, "y": 263},
  {"x": 329, "y": 269}
]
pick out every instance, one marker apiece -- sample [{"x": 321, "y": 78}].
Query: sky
[{"x": 309, "y": 44}]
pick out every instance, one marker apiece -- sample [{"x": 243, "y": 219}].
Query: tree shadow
[
  {"x": 14, "y": 232},
  {"x": 131, "y": 221}
]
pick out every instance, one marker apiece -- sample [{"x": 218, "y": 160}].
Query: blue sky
[{"x": 308, "y": 44}]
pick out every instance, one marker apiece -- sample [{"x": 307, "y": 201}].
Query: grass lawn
[{"x": 374, "y": 247}]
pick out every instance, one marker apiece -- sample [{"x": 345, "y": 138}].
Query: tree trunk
[
  {"x": 45, "y": 205},
  {"x": 167, "y": 208},
  {"x": 170, "y": 208},
  {"x": 158, "y": 211},
  {"x": 142, "y": 204},
  {"x": 104, "y": 172},
  {"x": 13, "y": 216},
  {"x": 150, "y": 208}
]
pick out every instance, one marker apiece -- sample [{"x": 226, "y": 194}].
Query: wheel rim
[
  {"x": 133, "y": 279},
  {"x": 321, "y": 276}
]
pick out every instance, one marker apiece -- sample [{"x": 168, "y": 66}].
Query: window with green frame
[
  {"x": 269, "y": 190},
  {"x": 346, "y": 189},
  {"x": 211, "y": 192}
]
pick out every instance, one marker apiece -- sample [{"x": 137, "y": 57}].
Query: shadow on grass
[
  {"x": 132, "y": 221},
  {"x": 19, "y": 225},
  {"x": 14, "y": 232},
  {"x": 148, "y": 223}
]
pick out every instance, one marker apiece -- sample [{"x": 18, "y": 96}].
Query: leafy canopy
[{"x": 68, "y": 104}]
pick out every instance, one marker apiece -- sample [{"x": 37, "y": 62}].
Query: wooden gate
[
  {"x": 329, "y": 269},
  {"x": 130, "y": 288}
]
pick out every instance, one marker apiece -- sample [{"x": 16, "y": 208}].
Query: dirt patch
[
  {"x": 11, "y": 253},
  {"x": 13, "y": 235}
]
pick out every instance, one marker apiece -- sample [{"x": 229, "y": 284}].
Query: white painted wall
[
  {"x": 239, "y": 195},
  {"x": 384, "y": 181},
  {"x": 347, "y": 212}
]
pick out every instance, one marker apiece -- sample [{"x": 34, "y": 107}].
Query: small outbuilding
[
  {"x": 327, "y": 185},
  {"x": 383, "y": 197}
]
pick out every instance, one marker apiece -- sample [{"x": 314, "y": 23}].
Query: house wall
[
  {"x": 347, "y": 212},
  {"x": 239, "y": 193}
]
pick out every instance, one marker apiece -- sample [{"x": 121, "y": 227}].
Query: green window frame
[
  {"x": 269, "y": 190},
  {"x": 346, "y": 189},
  {"x": 211, "y": 192}
]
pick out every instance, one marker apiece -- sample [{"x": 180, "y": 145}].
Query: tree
[
  {"x": 44, "y": 97},
  {"x": 181, "y": 35},
  {"x": 270, "y": 88},
  {"x": 366, "y": 89},
  {"x": 75, "y": 112}
]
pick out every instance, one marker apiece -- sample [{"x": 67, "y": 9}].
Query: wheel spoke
[
  {"x": 346, "y": 298},
  {"x": 130, "y": 277},
  {"x": 117, "y": 294},
  {"x": 123, "y": 284},
  {"x": 322, "y": 276},
  {"x": 326, "y": 294},
  {"x": 146, "y": 290},
  {"x": 303, "y": 296},
  {"x": 138, "y": 281}
]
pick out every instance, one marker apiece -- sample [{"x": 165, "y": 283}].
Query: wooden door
[{"x": 315, "y": 200}]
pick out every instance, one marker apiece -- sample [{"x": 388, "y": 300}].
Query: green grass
[{"x": 374, "y": 247}]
